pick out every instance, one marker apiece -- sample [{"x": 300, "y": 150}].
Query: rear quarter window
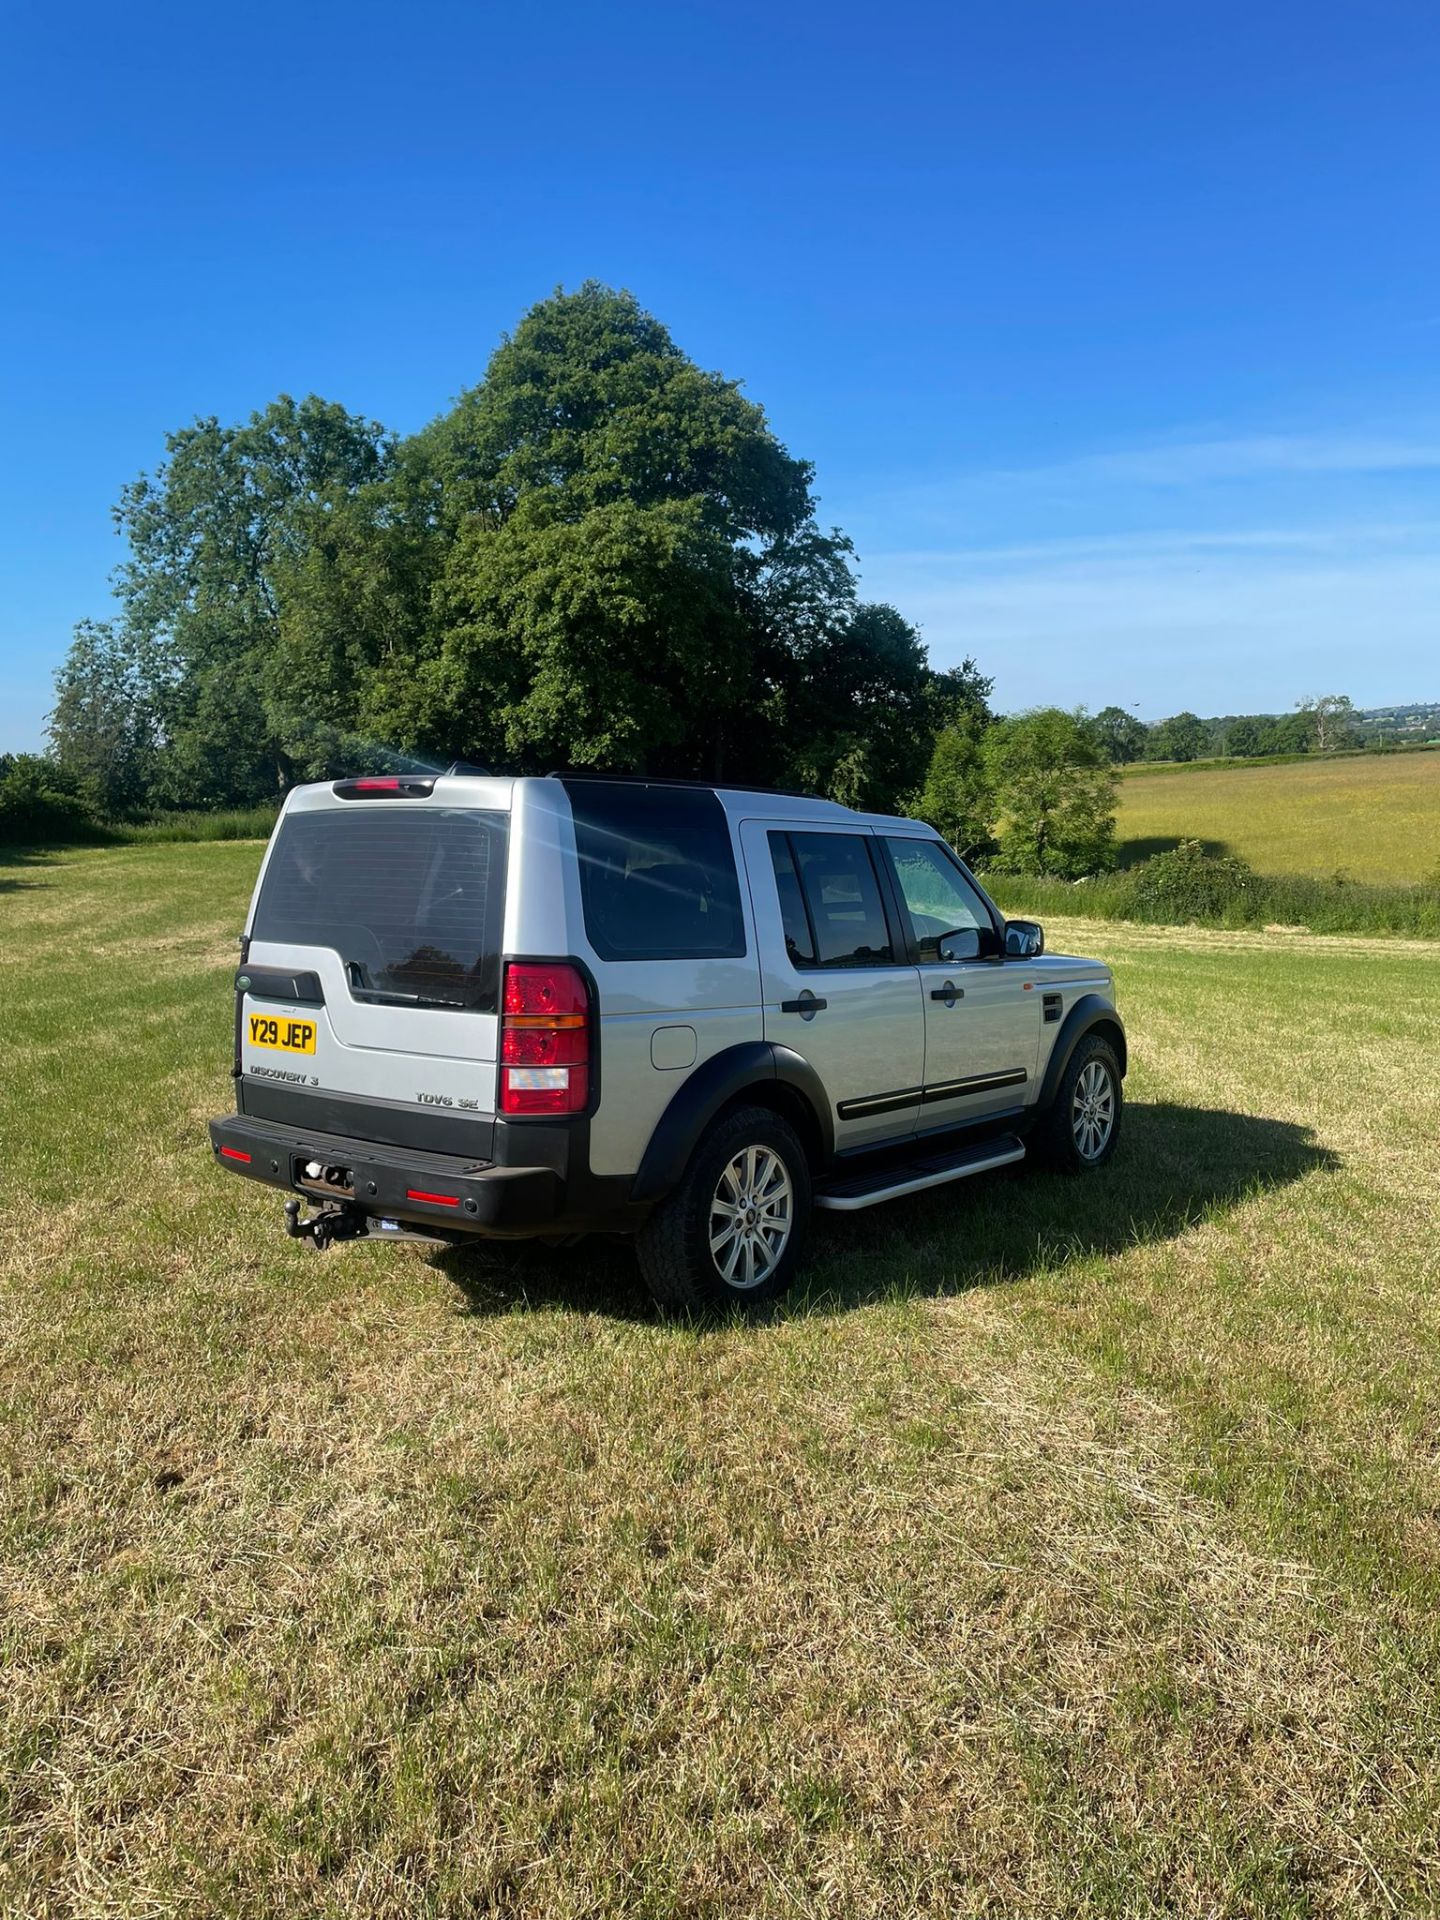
[
  {"x": 657, "y": 873},
  {"x": 412, "y": 899}
]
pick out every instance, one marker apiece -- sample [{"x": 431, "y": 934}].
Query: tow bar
[
  {"x": 328, "y": 1225},
  {"x": 325, "y": 1226}
]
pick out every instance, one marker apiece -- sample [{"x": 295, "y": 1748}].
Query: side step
[{"x": 889, "y": 1183}]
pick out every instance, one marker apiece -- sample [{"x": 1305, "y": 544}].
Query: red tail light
[{"x": 544, "y": 1039}]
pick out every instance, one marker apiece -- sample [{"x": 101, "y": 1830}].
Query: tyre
[
  {"x": 1080, "y": 1131},
  {"x": 732, "y": 1232}
]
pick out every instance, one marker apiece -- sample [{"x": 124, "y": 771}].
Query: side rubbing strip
[
  {"x": 974, "y": 1083},
  {"x": 878, "y": 1103},
  {"x": 937, "y": 1090}
]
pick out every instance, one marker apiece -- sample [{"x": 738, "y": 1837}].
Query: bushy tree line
[
  {"x": 40, "y": 801},
  {"x": 1323, "y": 723}
]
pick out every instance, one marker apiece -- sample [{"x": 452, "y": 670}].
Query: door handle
[
  {"x": 949, "y": 993},
  {"x": 806, "y": 1006}
]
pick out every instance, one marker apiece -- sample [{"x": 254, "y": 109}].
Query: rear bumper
[{"x": 446, "y": 1193}]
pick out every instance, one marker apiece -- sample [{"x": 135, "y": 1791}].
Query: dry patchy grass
[
  {"x": 1063, "y": 1548},
  {"x": 1375, "y": 817}
]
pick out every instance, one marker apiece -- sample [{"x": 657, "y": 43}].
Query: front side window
[
  {"x": 412, "y": 899},
  {"x": 657, "y": 873},
  {"x": 940, "y": 900},
  {"x": 841, "y": 893}
]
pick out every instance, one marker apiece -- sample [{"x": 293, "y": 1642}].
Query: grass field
[
  {"x": 1064, "y": 1548},
  {"x": 1377, "y": 817}
]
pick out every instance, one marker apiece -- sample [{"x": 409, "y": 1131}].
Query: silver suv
[{"x": 536, "y": 1008}]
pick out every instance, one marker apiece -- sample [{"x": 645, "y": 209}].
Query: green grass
[
  {"x": 1240, "y": 761},
  {"x": 1062, "y": 1548},
  {"x": 234, "y": 823},
  {"x": 1289, "y": 902},
  {"x": 1375, "y": 816}
]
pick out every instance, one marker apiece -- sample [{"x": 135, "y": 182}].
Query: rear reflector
[
  {"x": 234, "y": 1153},
  {"x": 385, "y": 786},
  {"x": 433, "y": 1199},
  {"x": 545, "y": 1029}
]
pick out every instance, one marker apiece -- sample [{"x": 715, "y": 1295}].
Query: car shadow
[
  {"x": 595, "y": 1275},
  {"x": 1175, "y": 1166}
]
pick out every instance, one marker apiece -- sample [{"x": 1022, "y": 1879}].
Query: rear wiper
[{"x": 361, "y": 991}]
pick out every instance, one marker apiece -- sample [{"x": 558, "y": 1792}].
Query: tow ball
[
  {"x": 329, "y": 1225},
  {"x": 325, "y": 1226}
]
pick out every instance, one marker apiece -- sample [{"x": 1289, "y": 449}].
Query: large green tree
[
  {"x": 1184, "y": 736},
  {"x": 1332, "y": 716},
  {"x": 1244, "y": 735},
  {"x": 1054, "y": 794},
  {"x": 960, "y": 693},
  {"x": 213, "y": 535},
  {"x": 857, "y": 721},
  {"x": 1123, "y": 735},
  {"x": 103, "y": 727},
  {"x": 600, "y": 556},
  {"x": 958, "y": 793},
  {"x": 628, "y": 571}
]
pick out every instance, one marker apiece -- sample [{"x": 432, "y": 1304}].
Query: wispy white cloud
[
  {"x": 1222, "y": 477},
  {"x": 1196, "y": 462},
  {"x": 1219, "y": 621},
  {"x": 1361, "y": 537},
  {"x": 1205, "y": 569}
]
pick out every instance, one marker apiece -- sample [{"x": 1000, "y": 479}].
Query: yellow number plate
[{"x": 284, "y": 1035}]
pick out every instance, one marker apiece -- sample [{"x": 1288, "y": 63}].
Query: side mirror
[{"x": 1024, "y": 940}]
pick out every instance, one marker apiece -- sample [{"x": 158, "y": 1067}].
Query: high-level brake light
[
  {"x": 544, "y": 1039},
  {"x": 385, "y": 786}
]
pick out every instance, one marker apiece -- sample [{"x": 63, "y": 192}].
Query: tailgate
[{"x": 373, "y": 965}]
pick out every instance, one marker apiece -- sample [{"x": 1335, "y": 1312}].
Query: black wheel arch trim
[
  {"x": 713, "y": 1085},
  {"x": 1088, "y": 1013}
]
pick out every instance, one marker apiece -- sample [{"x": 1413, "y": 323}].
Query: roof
[{"x": 739, "y": 800}]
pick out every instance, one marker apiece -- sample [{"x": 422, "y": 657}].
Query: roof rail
[
  {"x": 466, "y": 766},
  {"x": 589, "y": 775}
]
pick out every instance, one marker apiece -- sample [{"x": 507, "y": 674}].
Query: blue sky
[{"x": 1112, "y": 329}]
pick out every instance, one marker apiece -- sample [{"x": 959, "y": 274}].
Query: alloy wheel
[
  {"x": 1092, "y": 1113},
  {"x": 751, "y": 1214}
]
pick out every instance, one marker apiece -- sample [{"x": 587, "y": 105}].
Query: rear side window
[
  {"x": 657, "y": 873},
  {"x": 411, "y": 899},
  {"x": 842, "y": 898},
  {"x": 799, "y": 934}
]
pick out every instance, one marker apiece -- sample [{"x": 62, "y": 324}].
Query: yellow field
[{"x": 1376, "y": 818}]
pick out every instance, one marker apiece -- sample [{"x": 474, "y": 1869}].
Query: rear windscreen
[{"x": 411, "y": 900}]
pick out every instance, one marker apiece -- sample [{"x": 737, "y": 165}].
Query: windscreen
[{"x": 412, "y": 900}]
